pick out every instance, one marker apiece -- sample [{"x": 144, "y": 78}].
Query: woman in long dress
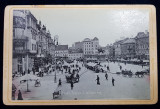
[{"x": 19, "y": 95}]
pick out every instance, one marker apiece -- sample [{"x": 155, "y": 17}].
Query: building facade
[
  {"x": 75, "y": 55},
  {"x": 61, "y": 51},
  {"x": 142, "y": 45},
  {"x": 30, "y": 40},
  {"x": 117, "y": 48},
  {"x": 128, "y": 49},
  {"x": 24, "y": 40},
  {"x": 90, "y": 47},
  {"x": 109, "y": 51},
  {"x": 78, "y": 45}
]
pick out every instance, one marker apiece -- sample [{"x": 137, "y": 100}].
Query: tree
[{"x": 100, "y": 50}]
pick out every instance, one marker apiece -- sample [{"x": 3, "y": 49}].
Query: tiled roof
[
  {"x": 131, "y": 40},
  {"x": 62, "y": 47}
]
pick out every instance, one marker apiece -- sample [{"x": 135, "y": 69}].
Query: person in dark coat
[
  {"x": 24, "y": 73},
  {"x": 19, "y": 95},
  {"x": 106, "y": 75},
  {"x": 98, "y": 80},
  {"x": 28, "y": 71},
  {"x": 60, "y": 82},
  {"x": 120, "y": 67},
  {"x": 77, "y": 76},
  {"x": 113, "y": 81},
  {"x": 72, "y": 85},
  {"x": 13, "y": 91},
  {"x": 108, "y": 68}
]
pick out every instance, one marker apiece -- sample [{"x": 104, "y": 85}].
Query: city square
[{"x": 54, "y": 67}]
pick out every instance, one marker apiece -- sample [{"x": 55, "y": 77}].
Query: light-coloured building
[
  {"x": 75, "y": 55},
  {"x": 142, "y": 45},
  {"x": 90, "y": 46},
  {"x": 61, "y": 51}
]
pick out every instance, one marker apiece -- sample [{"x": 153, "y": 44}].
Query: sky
[{"x": 108, "y": 25}]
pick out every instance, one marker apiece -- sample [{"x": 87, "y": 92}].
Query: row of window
[
  {"x": 88, "y": 43},
  {"x": 89, "y": 52},
  {"x": 143, "y": 51},
  {"x": 15, "y": 32},
  {"x": 143, "y": 46},
  {"x": 33, "y": 37},
  {"x": 74, "y": 54},
  {"x": 60, "y": 54},
  {"x": 34, "y": 47},
  {"x": 61, "y": 51},
  {"x": 88, "y": 49}
]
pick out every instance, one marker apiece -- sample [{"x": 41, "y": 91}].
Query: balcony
[
  {"x": 20, "y": 51},
  {"x": 20, "y": 39}
]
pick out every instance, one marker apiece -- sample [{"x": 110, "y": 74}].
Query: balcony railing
[
  {"x": 20, "y": 51},
  {"x": 20, "y": 39}
]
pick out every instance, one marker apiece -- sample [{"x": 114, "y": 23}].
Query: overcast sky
[{"x": 72, "y": 25}]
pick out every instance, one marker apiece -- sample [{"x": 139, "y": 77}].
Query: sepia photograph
[{"x": 80, "y": 54}]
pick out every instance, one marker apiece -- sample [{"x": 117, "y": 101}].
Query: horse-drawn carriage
[
  {"x": 142, "y": 73},
  {"x": 71, "y": 77},
  {"x": 56, "y": 94},
  {"x": 37, "y": 83},
  {"x": 127, "y": 73}
]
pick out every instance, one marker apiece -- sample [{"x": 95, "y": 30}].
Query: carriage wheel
[{"x": 142, "y": 76}]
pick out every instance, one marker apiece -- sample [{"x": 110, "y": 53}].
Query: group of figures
[{"x": 106, "y": 76}]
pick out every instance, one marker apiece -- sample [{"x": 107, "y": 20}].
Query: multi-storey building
[
  {"x": 78, "y": 45},
  {"x": 61, "y": 51},
  {"x": 75, "y": 54},
  {"x": 90, "y": 47},
  {"x": 30, "y": 40},
  {"x": 20, "y": 41},
  {"x": 110, "y": 51},
  {"x": 24, "y": 40},
  {"x": 117, "y": 47},
  {"x": 142, "y": 45},
  {"x": 128, "y": 49}
]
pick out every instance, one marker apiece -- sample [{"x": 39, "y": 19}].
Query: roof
[
  {"x": 142, "y": 34},
  {"x": 95, "y": 38},
  {"x": 75, "y": 51},
  {"x": 131, "y": 40},
  {"x": 120, "y": 41},
  {"x": 62, "y": 47},
  {"x": 86, "y": 39}
]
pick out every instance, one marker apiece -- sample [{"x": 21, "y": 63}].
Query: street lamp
[{"x": 55, "y": 40}]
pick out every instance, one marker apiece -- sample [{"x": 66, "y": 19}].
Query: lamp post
[{"x": 55, "y": 40}]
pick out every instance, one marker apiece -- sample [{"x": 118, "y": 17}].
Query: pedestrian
[
  {"x": 60, "y": 82},
  {"x": 77, "y": 76},
  {"x": 113, "y": 81},
  {"x": 120, "y": 67},
  {"x": 24, "y": 73},
  {"x": 72, "y": 85},
  {"x": 98, "y": 80},
  {"x": 19, "y": 95},
  {"x": 28, "y": 71},
  {"x": 106, "y": 75},
  {"x": 108, "y": 68},
  {"x": 13, "y": 91}
]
